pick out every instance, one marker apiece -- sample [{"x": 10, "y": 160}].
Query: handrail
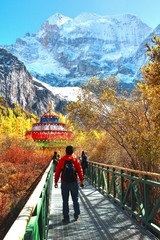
[
  {"x": 127, "y": 169},
  {"x": 137, "y": 192},
  {"x": 35, "y": 210}
]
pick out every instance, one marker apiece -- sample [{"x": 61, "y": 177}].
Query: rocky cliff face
[
  {"x": 67, "y": 52},
  {"x": 18, "y": 86},
  {"x": 16, "y": 82}
]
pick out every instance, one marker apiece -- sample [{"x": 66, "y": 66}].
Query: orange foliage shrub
[
  {"x": 4, "y": 205},
  {"x": 20, "y": 165}
]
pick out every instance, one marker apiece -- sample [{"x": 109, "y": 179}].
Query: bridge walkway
[{"x": 100, "y": 219}]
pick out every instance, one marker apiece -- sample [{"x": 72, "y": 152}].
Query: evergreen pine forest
[{"x": 111, "y": 125}]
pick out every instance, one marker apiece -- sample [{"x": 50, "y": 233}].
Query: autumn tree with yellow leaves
[
  {"x": 15, "y": 122},
  {"x": 131, "y": 121}
]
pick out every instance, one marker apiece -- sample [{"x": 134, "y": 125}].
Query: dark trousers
[
  {"x": 72, "y": 188},
  {"x": 84, "y": 171}
]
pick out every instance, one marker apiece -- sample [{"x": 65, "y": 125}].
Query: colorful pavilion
[{"x": 49, "y": 129}]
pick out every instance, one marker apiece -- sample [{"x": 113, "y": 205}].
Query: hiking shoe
[
  {"x": 65, "y": 221},
  {"x": 76, "y": 217}
]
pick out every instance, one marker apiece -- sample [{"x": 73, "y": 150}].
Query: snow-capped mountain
[
  {"x": 139, "y": 58},
  {"x": 67, "y": 52},
  {"x": 18, "y": 86}
]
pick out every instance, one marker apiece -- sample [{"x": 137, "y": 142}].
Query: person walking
[
  {"x": 70, "y": 169},
  {"x": 55, "y": 160},
  {"x": 84, "y": 162}
]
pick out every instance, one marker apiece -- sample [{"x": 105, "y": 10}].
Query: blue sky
[{"x": 18, "y": 17}]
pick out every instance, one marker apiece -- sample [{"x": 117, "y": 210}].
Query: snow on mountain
[
  {"x": 139, "y": 58},
  {"x": 18, "y": 86},
  {"x": 58, "y": 19},
  {"x": 68, "y": 52},
  {"x": 64, "y": 93}
]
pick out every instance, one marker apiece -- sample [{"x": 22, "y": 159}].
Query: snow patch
[{"x": 66, "y": 93}]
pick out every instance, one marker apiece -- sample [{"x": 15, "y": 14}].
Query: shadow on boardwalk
[{"x": 100, "y": 219}]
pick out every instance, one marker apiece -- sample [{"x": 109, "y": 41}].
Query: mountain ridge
[
  {"x": 65, "y": 62},
  {"x": 68, "y": 52}
]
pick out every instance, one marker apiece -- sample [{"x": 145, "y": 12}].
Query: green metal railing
[
  {"x": 32, "y": 222},
  {"x": 136, "y": 192}
]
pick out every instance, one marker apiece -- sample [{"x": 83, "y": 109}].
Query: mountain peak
[{"x": 58, "y": 19}]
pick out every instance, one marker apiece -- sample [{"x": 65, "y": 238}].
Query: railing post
[
  {"x": 114, "y": 183},
  {"x": 103, "y": 180},
  {"x": 108, "y": 189},
  {"x": 133, "y": 199},
  {"x": 92, "y": 174},
  {"x": 122, "y": 188},
  {"x": 146, "y": 199},
  {"x": 95, "y": 176},
  {"x": 98, "y": 177}
]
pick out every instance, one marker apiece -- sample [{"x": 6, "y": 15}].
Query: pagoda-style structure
[{"x": 49, "y": 128}]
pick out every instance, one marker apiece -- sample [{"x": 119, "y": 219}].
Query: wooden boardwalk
[{"x": 100, "y": 219}]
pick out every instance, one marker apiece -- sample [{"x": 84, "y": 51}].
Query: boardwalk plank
[{"x": 100, "y": 219}]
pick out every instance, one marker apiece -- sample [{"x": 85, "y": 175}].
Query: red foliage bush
[
  {"x": 20, "y": 166},
  {"x": 4, "y": 205}
]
